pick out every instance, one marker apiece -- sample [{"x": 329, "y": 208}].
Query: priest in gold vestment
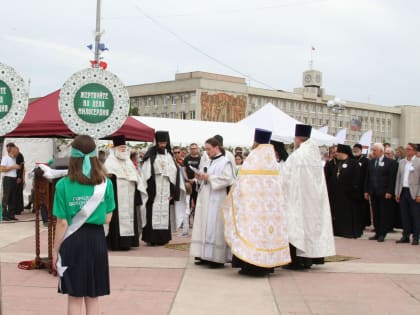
[{"x": 255, "y": 219}]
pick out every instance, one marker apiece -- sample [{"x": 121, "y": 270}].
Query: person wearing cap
[
  {"x": 363, "y": 163},
  {"x": 345, "y": 195},
  {"x": 162, "y": 177},
  {"x": 129, "y": 192},
  {"x": 208, "y": 245},
  {"x": 255, "y": 225},
  {"x": 306, "y": 201}
]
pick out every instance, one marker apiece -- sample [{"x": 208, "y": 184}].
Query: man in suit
[
  {"x": 380, "y": 188},
  {"x": 407, "y": 193}
]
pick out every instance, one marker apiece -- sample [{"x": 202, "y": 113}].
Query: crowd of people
[
  {"x": 256, "y": 210},
  {"x": 382, "y": 189}
]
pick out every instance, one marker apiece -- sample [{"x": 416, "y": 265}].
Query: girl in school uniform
[{"x": 83, "y": 202}]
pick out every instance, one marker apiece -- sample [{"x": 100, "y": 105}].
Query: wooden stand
[{"x": 43, "y": 197}]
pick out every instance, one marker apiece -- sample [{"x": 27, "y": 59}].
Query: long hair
[{"x": 86, "y": 145}]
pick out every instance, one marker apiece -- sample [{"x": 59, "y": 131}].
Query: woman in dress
[{"x": 83, "y": 202}]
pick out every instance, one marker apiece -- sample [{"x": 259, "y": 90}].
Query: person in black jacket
[
  {"x": 380, "y": 188},
  {"x": 363, "y": 163}
]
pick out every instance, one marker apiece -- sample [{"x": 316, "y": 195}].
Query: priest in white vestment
[
  {"x": 255, "y": 219},
  {"x": 129, "y": 193},
  {"x": 216, "y": 175},
  {"x": 162, "y": 178},
  {"x": 307, "y": 205}
]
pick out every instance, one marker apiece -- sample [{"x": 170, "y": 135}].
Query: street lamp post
[{"x": 336, "y": 106}]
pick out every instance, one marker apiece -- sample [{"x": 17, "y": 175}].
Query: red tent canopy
[{"x": 43, "y": 120}]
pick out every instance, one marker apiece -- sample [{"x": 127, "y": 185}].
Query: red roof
[{"x": 43, "y": 120}]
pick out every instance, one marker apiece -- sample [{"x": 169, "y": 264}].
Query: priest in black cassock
[
  {"x": 129, "y": 192},
  {"x": 162, "y": 177},
  {"x": 345, "y": 195},
  {"x": 364, "y": 205}
]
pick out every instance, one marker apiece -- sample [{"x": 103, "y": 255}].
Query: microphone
[{"x": 205, "y": 172}]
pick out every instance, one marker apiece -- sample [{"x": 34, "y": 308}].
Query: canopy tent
[
  {"x": 185, "y": 132},
  {"x": 282, "y": 125},
  {"x": 43, "y": 120}
]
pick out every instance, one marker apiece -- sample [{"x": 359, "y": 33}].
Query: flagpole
[
  {"x": 311, "y": 63},
  {"x": 97, "y": 32}
]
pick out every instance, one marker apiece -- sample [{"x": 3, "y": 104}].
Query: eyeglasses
[{"x": 177, "y": 152}]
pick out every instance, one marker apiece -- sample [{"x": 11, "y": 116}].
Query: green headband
[{"x": 86, "y": 159}]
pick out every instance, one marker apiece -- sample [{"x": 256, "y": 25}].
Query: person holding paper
[{"x": 208, "y": 244}]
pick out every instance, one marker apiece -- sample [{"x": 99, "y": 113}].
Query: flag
[
  {"x": 102, "y": 64},
  {"x": 324, "y": 129},
  {"x": 355, "y": 124},
  {"x": 341, "y": 136},
  {"x": 102, "y": 47},
  {"x": 365, "y": 141}
]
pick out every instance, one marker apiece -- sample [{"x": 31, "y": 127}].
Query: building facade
[{"x": 215, "y": 97}]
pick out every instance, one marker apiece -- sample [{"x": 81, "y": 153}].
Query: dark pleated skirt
[{"x": 86, "y": 256}]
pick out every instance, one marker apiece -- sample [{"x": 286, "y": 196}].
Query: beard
[
  {"x": 161, "y": 150},
  {"x": 121, "y": 155}
]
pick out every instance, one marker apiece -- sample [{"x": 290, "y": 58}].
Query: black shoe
[
  {"x": 381, "y": 239},
  {"x": 201, "y": 262},
  {"x": 215, "y": 265},
  {"x": 292, "y": 267},
  {"x": 29, "y": 206},
  {"x": 415, "y": 242},
  {"x": 374, "y": 238},
  {"x": 6, "y": 219},
  {"x": 403, "y": 240},
  {"x": 14, "y": 218},
  {"x": 250, "y": 273}
]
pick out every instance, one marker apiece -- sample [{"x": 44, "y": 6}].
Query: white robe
[
  {"x": 182, "y": 207},
  {"x": 307, "y": 205},
  {"x": 208, "y": 240},
  {"x": 165, "y": 173},
  {"x": 127, "y": 179}
]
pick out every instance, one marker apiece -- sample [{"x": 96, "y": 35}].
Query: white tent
[
  {"x": 185, "y": 132},
  {"x": 282, "y": 125}
]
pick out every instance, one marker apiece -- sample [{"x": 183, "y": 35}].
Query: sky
[{"x": 367, "y": 50}]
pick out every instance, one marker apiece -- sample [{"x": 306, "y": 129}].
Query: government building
[{"x": 215, "y": 97}]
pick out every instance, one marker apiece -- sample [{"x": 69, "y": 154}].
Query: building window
[
  {"x": 192, "y": 114},
  {"x": 183, "y": 99},
  {"x": 155, "y": 100},
  {"x": 182, "y": 115},
  {"x": 147, "y": 101},
  {"x": 173, "y": 99}
]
